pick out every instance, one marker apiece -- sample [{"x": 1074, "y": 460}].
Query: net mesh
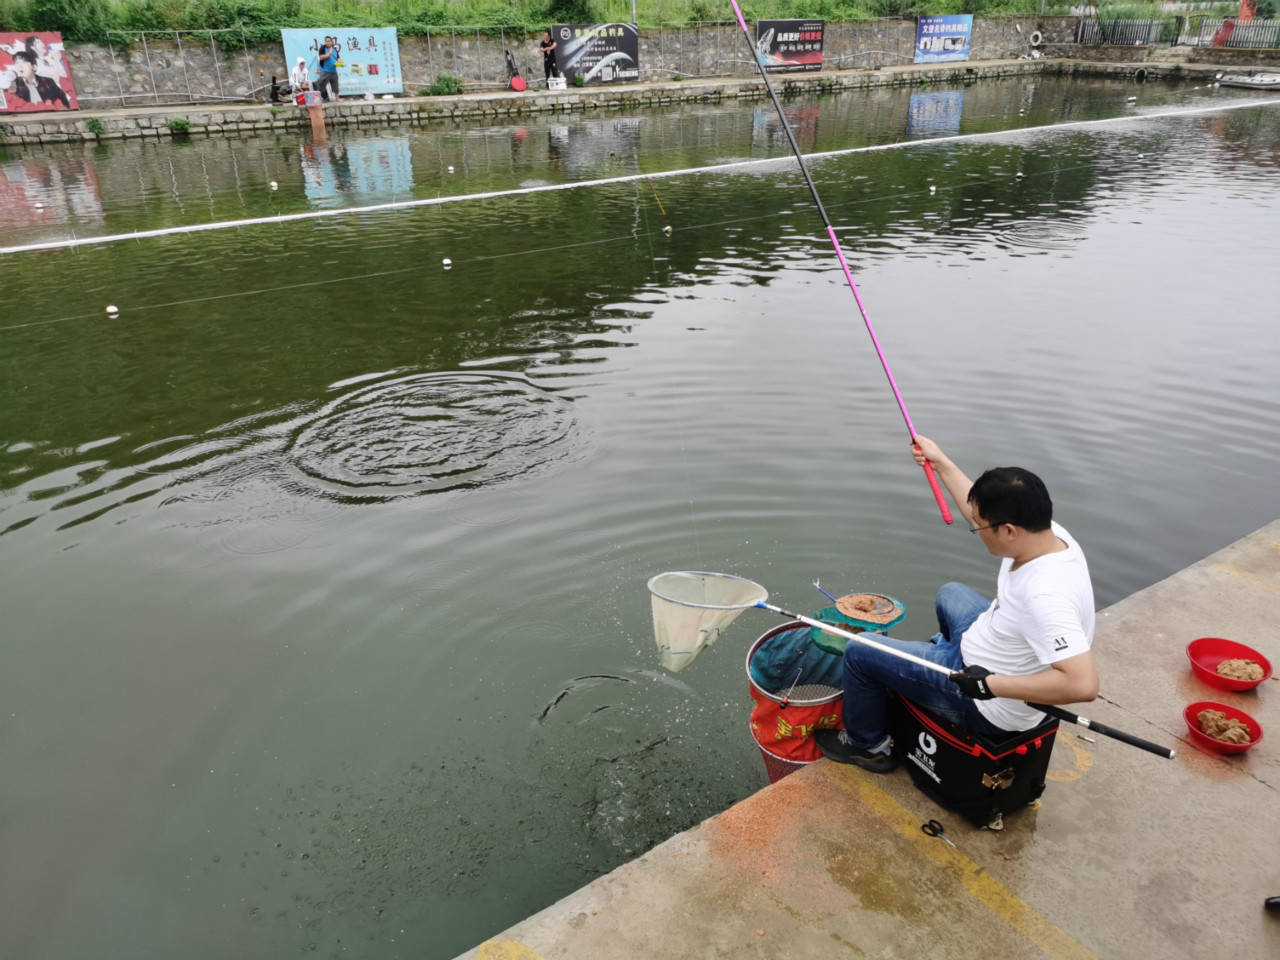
[{"x": 691, "y": 608}]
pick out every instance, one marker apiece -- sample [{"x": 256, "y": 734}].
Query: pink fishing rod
[{"x": 831, "y": 232}]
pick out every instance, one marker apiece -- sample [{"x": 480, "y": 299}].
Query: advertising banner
[
  {"x": 600, "y": 52},
  {"x": 368, "y": 57},
  {"x": 935, "y": 114},
  {"x": 34, "y": 74},
  {"x": 787, "y": 46},
  {"x": 939, "y": 39}
]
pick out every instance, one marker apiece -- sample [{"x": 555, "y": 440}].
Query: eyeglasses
[{"x": 989, "y": 526}]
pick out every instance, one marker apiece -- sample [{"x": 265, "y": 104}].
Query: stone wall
[
  {"x": 220, "y": 119},
  {"x": 1098, "y": 53},
  {"x": 1236, "y": 56},
  {"x": 231, "y": 120},
  {"x": 171, "y": 71}
]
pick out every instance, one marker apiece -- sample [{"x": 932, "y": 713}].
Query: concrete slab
[{"x": 1129, "y": 855}]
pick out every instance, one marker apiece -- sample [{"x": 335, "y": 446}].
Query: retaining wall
[
  {"x": 231, "y": 120},
  {"x": 181, "y": 71},
  {"x": 1236, "y": 56}
]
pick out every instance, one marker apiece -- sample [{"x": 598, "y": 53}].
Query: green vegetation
[
  {"x": 95, "y": 126},
  {"x": 89, "y": 20},
  {"x": 579, "y": 80},
  {"x": 179, "y": 125},
  {"x": 445, "y": 85}
]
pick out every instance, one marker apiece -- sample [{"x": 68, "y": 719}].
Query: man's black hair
[
  {"x": 24, "y": 55},
  {"x": 1012, "y": 495}
]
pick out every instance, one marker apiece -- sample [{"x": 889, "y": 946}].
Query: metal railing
[
  {"x": 1230, "y": 32},
  {"x": 125, "y": 38},
  {"x": 1194, "y": 31},
  {"x": 1127, "y": 32}
]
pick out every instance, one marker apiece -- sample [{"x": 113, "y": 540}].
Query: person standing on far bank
[
  {"x": 327, "y": 72},
  {"x": 548, "y": 48}
]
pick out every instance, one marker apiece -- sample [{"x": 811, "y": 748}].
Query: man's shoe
[{"x": 836, "y": 745}]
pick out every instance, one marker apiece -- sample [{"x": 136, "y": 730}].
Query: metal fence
[
  {"x": 1127, "y": 32},
  {"x": 196, "y": 83},
  {"x": 1180, "y": 31},
  {"x": 1230, "y": 32}
]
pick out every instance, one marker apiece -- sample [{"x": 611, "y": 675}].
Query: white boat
[{"x": 1255, "y": 81}]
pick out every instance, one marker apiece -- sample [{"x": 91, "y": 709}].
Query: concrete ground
[{"x": 1129, "y": 855}]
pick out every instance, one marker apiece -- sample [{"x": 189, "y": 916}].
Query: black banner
[
  {"x": 788, "y": 46},
  {"x": 599, "y": 52}
]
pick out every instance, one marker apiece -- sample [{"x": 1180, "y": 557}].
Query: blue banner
[
  {"x": 943, "y": 38},
  {"x": 368, "y": 57}
]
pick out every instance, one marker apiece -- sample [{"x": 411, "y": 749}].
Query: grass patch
[
  {"x": 179, "y": 125},
  {"x": 445, "y": 85},
  {"x": 94, "y": 126}
]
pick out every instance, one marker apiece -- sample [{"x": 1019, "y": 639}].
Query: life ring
[{"x": 1036, "y": 38}]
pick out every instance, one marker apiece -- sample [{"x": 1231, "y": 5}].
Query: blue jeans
[{"x": 869, "y": 673}]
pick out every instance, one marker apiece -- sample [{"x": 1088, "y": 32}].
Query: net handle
[{"x": 860, "y": 638}]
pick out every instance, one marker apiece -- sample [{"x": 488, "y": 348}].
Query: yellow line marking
[
  {"x": 1015, "y": 911},
  {"x": 1232, "y": 570},
  {"x": 1083, "y": 761},
  {"x": 505, "y": 950}
]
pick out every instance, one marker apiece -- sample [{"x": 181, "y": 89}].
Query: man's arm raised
[{"x": 952, "y": 477}]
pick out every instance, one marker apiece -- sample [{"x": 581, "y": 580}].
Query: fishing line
[
  {"x": 692, "y": 228},
  {"x": 655, "y": 197},
  {"x": 762, "y": 162},
  {"x": 835, "y": 242}
]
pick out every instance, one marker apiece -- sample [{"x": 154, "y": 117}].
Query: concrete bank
[
  {"x": 236, "y": 119},
  {"x": 1129, "y": 855}
]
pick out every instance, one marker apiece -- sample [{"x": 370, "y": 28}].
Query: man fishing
[{"x": 1031, "y": 643}]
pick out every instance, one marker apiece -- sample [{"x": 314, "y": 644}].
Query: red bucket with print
[{"x": 783, "y": 723}]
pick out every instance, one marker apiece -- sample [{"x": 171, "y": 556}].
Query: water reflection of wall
[
  {"x": 35, "y": 191},
  {"x": 378, "y": 165},
  {"x": 935, "y": 114},
  {"x": 766, "y": 130},
  {"x": 595, "y": 147}
]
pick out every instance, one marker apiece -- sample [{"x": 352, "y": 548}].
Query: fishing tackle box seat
[{"x": 979, "y": 778}]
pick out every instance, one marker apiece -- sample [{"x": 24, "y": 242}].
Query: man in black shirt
[{"x": 548, "y": 48}]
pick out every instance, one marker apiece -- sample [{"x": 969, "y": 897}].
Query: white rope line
[{"x": 139, "y": 235}]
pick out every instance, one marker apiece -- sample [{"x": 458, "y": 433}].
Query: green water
[{"x": 325, "y": 626}]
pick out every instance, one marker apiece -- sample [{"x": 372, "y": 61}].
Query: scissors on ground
[{"x": 934, "y": 829}]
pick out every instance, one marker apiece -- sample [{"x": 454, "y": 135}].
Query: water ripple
[
  {"x": 433, "y": 432},
  {"x": 417, "y": 434}
]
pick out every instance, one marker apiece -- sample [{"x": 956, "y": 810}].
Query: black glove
[{"x": 972, "y": 681}]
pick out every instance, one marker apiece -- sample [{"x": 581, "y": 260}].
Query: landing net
[{"x": 691, "y": 608}]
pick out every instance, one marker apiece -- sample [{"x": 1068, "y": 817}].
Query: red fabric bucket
[{"x": 784, "y": 733}]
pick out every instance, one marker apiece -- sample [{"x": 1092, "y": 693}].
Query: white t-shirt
[{"x": 1042, "y": 613}]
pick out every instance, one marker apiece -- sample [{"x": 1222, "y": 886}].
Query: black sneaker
[{"x": 835, "y": 745}]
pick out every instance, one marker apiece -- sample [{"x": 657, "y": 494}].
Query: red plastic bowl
[
  {"x": 1207, "y": 652},
  {"x": 1208, "y": 743}
]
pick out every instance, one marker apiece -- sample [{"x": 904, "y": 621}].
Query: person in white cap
[{"x": 300, "y": 77}]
